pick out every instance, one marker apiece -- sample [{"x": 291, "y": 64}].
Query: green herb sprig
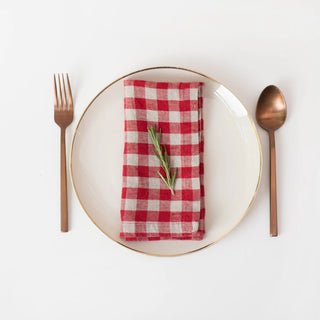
[{"x": 163, "y": 158}]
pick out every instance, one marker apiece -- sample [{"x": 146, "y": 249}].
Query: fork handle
[
  {"x": 63, "y": 189},
  {"x": 273, "y": 187}
]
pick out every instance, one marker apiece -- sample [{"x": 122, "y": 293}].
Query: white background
[{"x": 246, "y": 45}]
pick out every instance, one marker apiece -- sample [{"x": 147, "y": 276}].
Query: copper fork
[{"x": 63, "y": 116}]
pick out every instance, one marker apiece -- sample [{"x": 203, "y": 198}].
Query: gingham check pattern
[{"x": 148, "y": 209}]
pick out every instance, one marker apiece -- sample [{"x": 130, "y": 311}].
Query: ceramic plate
[{"x": 232, "y": 160}]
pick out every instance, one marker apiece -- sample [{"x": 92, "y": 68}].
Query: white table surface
[{"x": 246, "y": 45}]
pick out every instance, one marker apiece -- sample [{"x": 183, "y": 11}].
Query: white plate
[{"x": 232, "y": 160}]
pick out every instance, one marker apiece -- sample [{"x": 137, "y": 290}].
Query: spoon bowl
[{"x": 271, "y": 110}]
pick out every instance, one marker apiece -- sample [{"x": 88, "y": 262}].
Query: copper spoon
[{"x": 271, "y": 114}]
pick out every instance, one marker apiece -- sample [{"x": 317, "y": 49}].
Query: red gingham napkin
[{"x": 148, "y": 209}]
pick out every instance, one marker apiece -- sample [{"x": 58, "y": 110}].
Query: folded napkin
[{"x": 148, "y": 209}]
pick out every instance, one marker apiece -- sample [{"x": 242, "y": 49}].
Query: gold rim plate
[{"x": 225, "y": 122}]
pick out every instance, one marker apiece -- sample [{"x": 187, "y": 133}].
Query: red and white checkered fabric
[{"x": 148, "y": 209}]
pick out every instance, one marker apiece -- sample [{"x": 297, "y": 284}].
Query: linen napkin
[{"x": 148, "y": 209}]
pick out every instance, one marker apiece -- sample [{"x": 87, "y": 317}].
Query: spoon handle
[{"x": 273, "y": 187}]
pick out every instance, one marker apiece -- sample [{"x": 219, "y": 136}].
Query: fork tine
[
  {"x": 69, "y": 94},
  {"x": 55, "y": 93},
  {"x": 60, "y": 93},
  {"x": 64, "y": 94}
]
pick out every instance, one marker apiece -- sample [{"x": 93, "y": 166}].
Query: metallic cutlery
[
  {"x": 63, "y": 116},
  {"x": 271, "y": 114}
]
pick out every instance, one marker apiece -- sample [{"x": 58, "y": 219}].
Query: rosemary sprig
[{"x": 163, "y": 158}]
